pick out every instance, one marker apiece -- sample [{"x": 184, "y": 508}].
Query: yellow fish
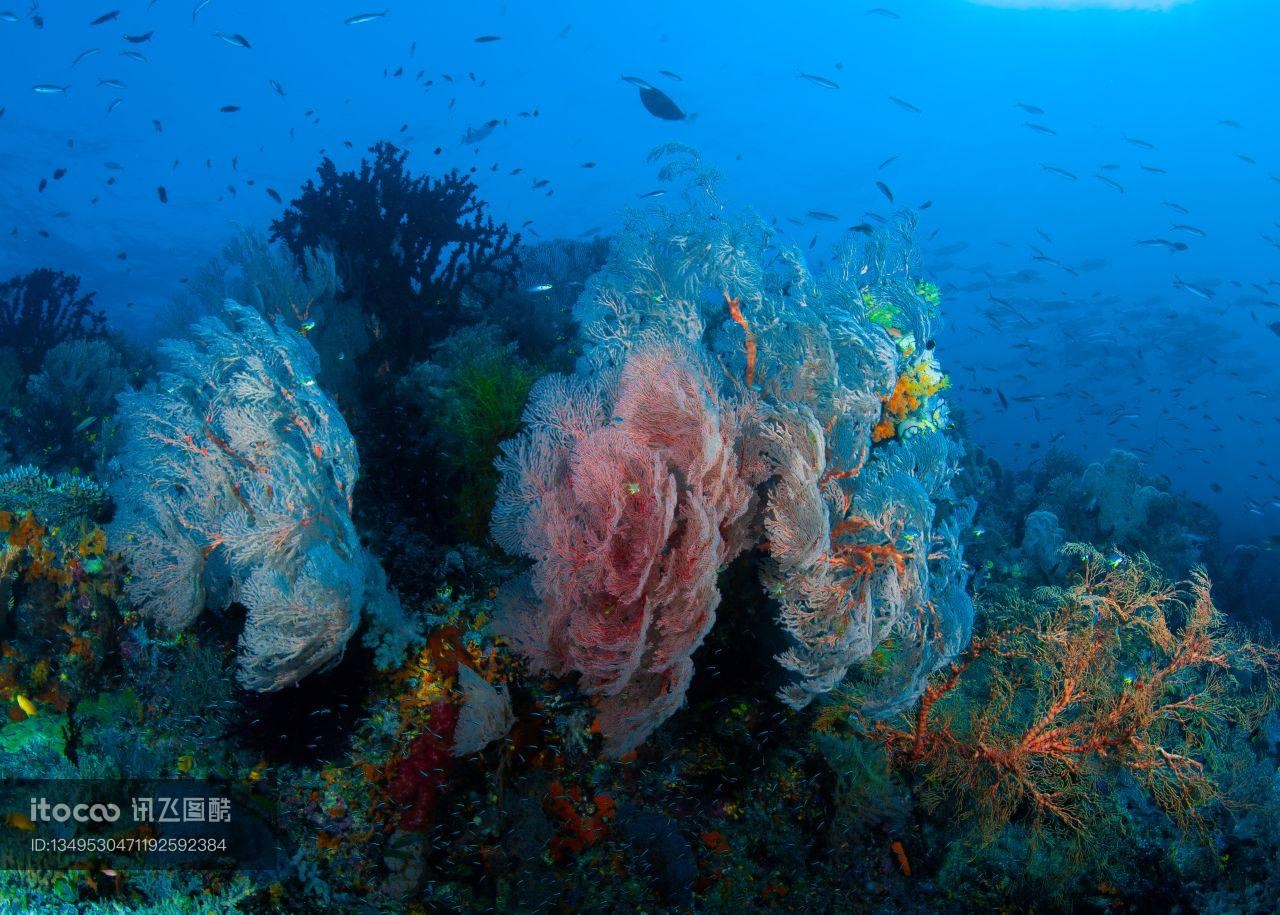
[
  {"x": 19, "y": 821},
  {"x": 185, "y": 763},
  {"x": 26, "y": 705}
]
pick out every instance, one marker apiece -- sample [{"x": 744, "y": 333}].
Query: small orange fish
[{"x": 901, "y": 854}]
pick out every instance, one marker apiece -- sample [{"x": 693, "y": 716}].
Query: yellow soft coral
[{"x": 914, "y": 386}]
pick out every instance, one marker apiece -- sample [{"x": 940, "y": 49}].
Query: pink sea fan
[{"x": 629, "y": 513}]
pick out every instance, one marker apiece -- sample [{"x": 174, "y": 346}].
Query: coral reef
[
  {"x": 835, "y": 412},
  {"x": 235, "y": 484},
  {"x": 468, "y": 399},
  {"x": 407, "y": 247},
  {"x": 43, "y": 308},
  {"x": 1131, "y": 679}
]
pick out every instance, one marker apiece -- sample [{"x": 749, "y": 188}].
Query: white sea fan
[
  {"x": 485, "y": 716},
  {"x": 235, "y": 482}
]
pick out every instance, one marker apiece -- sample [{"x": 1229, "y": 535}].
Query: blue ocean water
[
  {"x": 1120, "y": 355},
  {"x": 1096, "y": 190}
]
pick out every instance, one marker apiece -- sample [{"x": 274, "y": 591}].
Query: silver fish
[
  {"x": 361, "y": 18},
  {"x": 49, "y": 89}
]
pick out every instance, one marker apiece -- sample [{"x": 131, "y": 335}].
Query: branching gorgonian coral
[
  {"x": 235, "y": 485},
  {"x": 844, "y": 470}
]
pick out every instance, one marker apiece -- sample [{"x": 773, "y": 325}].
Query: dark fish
[
  {"x": 823, "y": 216},
  {"x": 669, "y": 75},
  {"x": 1274, "y": 327},
  {"x": 1155, "y": 169},
  {"x": 1163, "y": 243},
  {"x": 1141, "y": 144},
  {"x": 1111, "y": 181},
  {"x": 1190, "y": 230},
  {"x": 886, "y": 162},
  {"x": 274, "y": 195},
  {"x": 1058, "y": 171},
  {"x": 881, "y": 11},
  {"x": 227, "y": 109},
  {"x": 276, "y": 86},
  {"x": 58, "y": 173},
  {"x": 657, "y": 193},
  {"x": 162, "y": 194},
  {"x": 105, "y": 17},
  {"x": 238, "y": 41},
  {"x": 660, "y": 105},
  {"x": 1041, "y": 128},
  {"x": 820, "y": 81},
  {"x": 485, "y": 39},
  {"x": 476, "y": 134},
  {"x": 1176, "y": 206},
  {"x": 139, "y": 39},
  {"x": 83, "y": 54},
  {"x": 1030, "y": 109},
  {"x": 884, "y": 189},
  {"x": 905, "y": 104}
]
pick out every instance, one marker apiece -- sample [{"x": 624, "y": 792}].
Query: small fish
[
  {"x": 84, "y": 423},
  {"x": 19, "y": 821},
  {"x": 199, "y": 6},
  {"x": 1140, "y": 143},
  {"x": 822, "y": 215},
  {"x": 1177, "y": 206},
  {"x": 649, "y": 194},
  {"x": 905, "y": 104},
  {"x": 49, "y": 89},
  {"x": 486, "y": 39},
  {"x": 1154, "y": 169},
  {"x": 105, "y": 18},
  {"x": 476, "y": 134},
  {"x": 1162, "y": 243},
  {"x": 820, "y": 81},
  {"x": 59, "y": 173},
  {"x": 1115, "y": 559},
  {"x": 669, "y": 75},
  {"x": 1191, "y": 230},
  {"x": 26, "y": 705},
  {"x": 8, "y": 16},
  {"x": 276, "y": 86},
  {"x": 306, "y": 327},
  {"x": 1040, "y": 128},
  {"x": 186, "y": 763},
  {"x": 881, "y": 11},
  {"x": 139, "y": 39},
  {"x": 1201, "y": 292},
  {"x": 162, "y": 194},
  {"x": 228, "y": 109},
  {"x": 83, "y": 54},
  {"x": 236, "y": 40},
  {"x": 540, "y": 287},
  {"x": 1111, "y": 181},
  {"x": 1030, "y": 109},
  {"x": 112, "y": 84},
  {"x": 361, "y": 18},
  {"x": 1058, "y": 171},
  {"x": 884, "y": 189},
  {"x": 886, "y": 162},
  {"x": 135, "y": 55},
  {"x": 274, "y": 195}
]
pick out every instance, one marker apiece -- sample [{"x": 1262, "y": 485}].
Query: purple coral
[{"x": 629, "y": 496}]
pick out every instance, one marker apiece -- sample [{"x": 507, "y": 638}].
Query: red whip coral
[{"x": 629, "y": 496}]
